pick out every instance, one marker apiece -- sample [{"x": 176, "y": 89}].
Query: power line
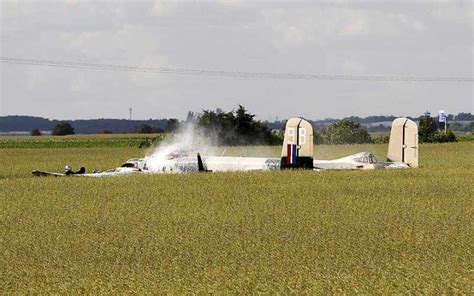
[{"x": 233, "y": 74}]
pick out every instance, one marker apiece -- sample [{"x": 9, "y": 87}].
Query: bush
[
  {"x": 35, "y": 132},
  {"x": 381, "y": 139},
  {"x": 344, "y": 132},
  {"x": 146, "y": 143},
  {"x": 63, "y": 128},
  {"x": 444, "y": 137}
]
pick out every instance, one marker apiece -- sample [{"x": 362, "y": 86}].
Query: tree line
[
  {"x": 81, "y": 126},
  {"x": 461, "y": 122},
  {"x": 240, "y": 127}
]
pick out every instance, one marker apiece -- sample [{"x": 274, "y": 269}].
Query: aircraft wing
[
  {"x": 120, "y": 171},
  {"x": 358, "y": 161}
]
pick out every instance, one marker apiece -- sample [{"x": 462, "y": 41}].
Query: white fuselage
[
  {"x": 359, "y": 161},
  {"x": 214, "y": 163}
]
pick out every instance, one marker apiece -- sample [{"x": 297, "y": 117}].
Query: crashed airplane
[{"x": 297, "y": 153}]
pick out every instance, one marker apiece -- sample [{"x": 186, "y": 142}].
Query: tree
[
  {"x": 35, "y": 132},
  {"x": 236, "y": 128},
  {"x": 158, "y": 130},
  {"x": 345, "y": 132},
  {"x": 244, "y": 122},
  {"x": 191, "y": 117},
  {"x": 318, "y": 137},
  {"x": 427, "y": 129},
  {"x": 464, "y": 116},
  {"x": 63, "y": 128},
  {"x": 172, "y": 125},
  {"x": 144, "y": 129},
  {"x": 219, "y": 127},
  {"x": 281, "y": 130}
]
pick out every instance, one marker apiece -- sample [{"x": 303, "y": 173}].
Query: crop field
[
  {"x": 78, "y": 141},
  {"x": 376, "y": 232}
]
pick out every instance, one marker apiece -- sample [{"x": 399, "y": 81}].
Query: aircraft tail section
[
  {"x": 297, "y": 150},
  {"x": 403, "y": 145}
]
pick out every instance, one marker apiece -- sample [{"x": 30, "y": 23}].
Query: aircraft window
[
  {"x": 361, "y": 159},
  {"x": 364, "y": 158},
  {"x": 372, "y": 159}
]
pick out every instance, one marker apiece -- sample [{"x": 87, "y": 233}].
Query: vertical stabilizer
[
  {"x": 403, "y": 145},
  {"x": 297, "y": 150}
]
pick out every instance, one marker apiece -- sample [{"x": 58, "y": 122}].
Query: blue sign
[{"x": 442, "y": 116}]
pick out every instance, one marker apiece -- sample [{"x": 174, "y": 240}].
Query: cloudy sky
[{"x": 392, "y": 38}]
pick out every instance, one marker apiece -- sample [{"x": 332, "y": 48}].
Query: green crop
[
  {"x": 81, "y": 141},
  {"x": 344, "y": 232}
]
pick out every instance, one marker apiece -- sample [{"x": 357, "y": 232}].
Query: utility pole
[{"x": 130, "y": 111}]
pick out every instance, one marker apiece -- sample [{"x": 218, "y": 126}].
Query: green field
[
  {"x": 387, "y": 231},
  {"x": 78, "y": 141}
]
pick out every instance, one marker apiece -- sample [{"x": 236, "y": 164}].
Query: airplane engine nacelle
[
  {"x": 297, "y": 150},
  {"x": 403, "y": 145}
]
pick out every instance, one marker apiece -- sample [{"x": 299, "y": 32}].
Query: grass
[
  {"x": 78, "y": 137},
  {"x": 79, "y": 141},
  {"x": 377, "y": 232}
]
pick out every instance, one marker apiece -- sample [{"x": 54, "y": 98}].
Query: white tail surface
[
  {"x": 403, "y": 145},
  {"x": 297, "y": 150}
]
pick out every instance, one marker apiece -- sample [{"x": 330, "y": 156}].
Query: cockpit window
[
  {"x": 361, "y": 159},
  {"x": 372, "y": 158},
  {"x": 364, "y": 157}
]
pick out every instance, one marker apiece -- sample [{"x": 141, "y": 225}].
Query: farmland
[
  {"x": 387, "y": 231},
  {"x": 78, "y": 141}
]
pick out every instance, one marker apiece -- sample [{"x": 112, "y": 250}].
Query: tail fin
[
  {"x": 403, "y": 145},
  {"x": 297, "y": 150}
]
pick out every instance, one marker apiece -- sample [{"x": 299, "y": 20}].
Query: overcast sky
[{"x": 393, "y": 38}]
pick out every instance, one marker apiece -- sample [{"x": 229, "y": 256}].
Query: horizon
[{"x": 433, "y": 114}]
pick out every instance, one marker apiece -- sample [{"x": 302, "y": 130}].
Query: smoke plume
[{"x": 188, "y": 141}]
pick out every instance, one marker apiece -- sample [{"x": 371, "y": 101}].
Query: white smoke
[{"x": 187, "y": 142}]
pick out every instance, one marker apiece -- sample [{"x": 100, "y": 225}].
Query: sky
[{"x": 388, "y": 38}]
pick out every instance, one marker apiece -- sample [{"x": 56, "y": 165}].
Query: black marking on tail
[
  {"x": 403, "y": 141},
  {"x": 201, "y": 167},
  {"x": 298, "y": 134},
  {"x": 200, "y": 164}
]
